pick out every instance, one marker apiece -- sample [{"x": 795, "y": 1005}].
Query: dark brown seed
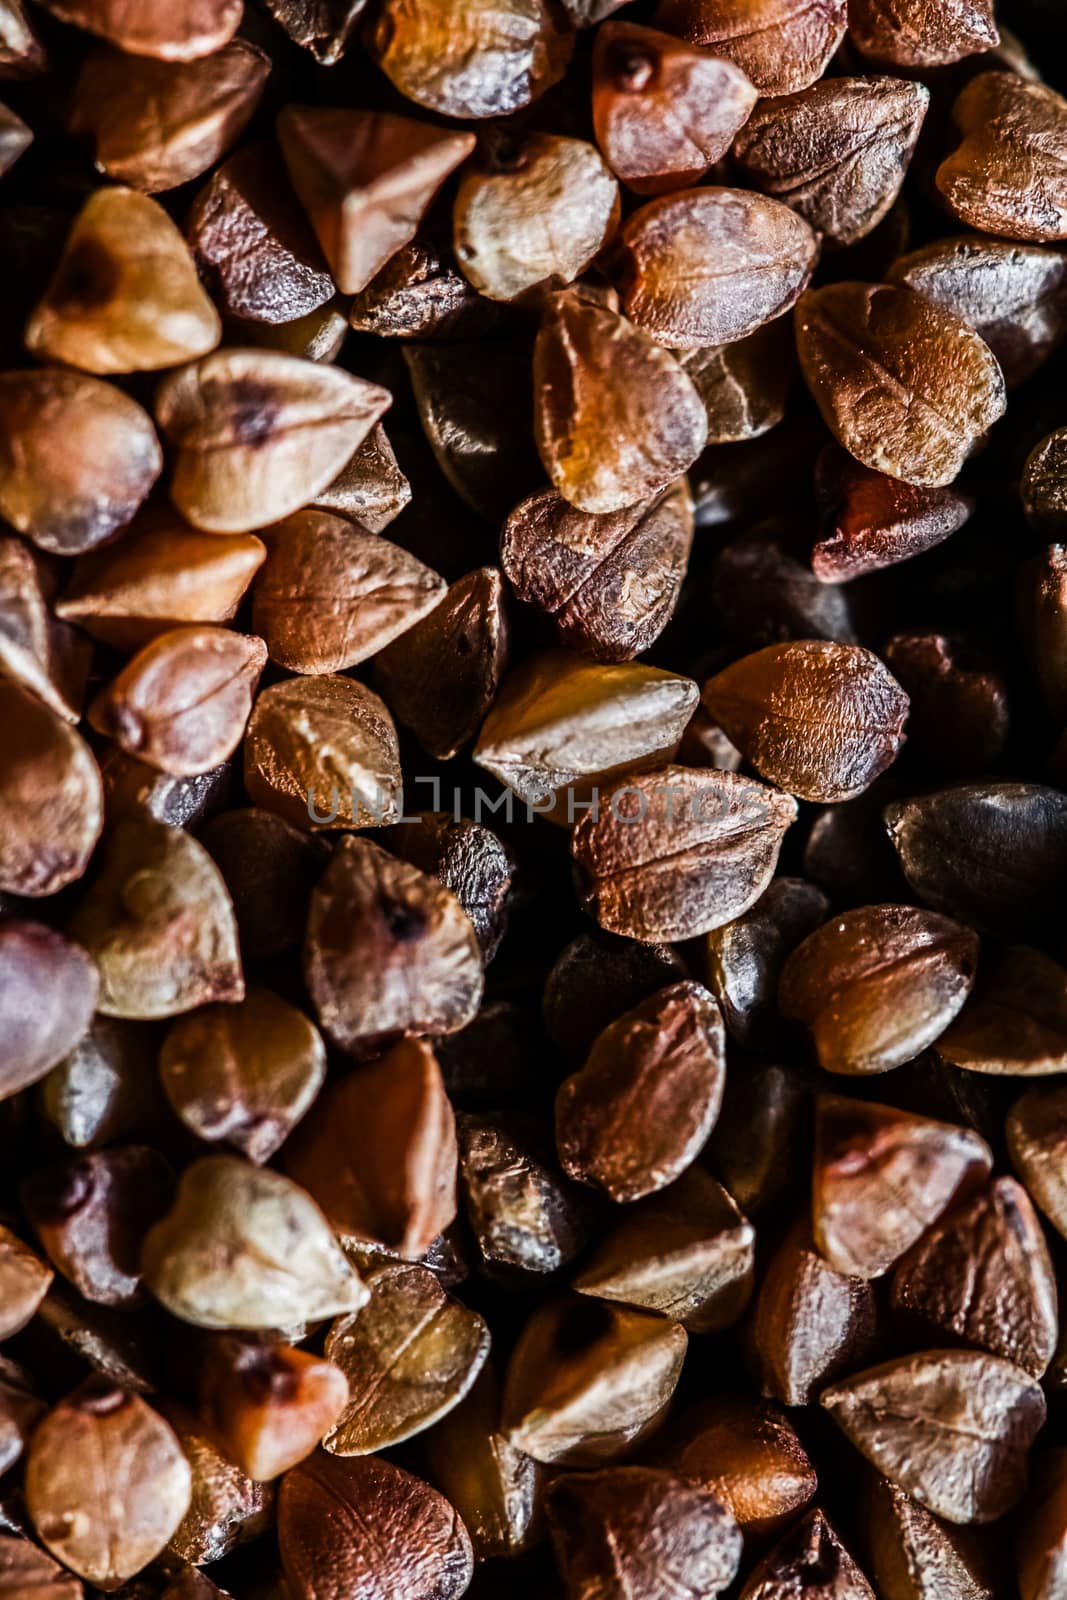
[
  {"x": 1015, "y": 1024},
  {"x": 818, "y": 718},
  {"x": 781, "y": 44},
  {"x": 253, "y": 244},
  {"x": 907, "y": 387},
  {"x": 322, "y": 752},
  {"x": 763, "y": 593},
  {"x": 51, "y": 797},
  {"x": 761, "y": 1147},
  {"x": 157, "y": 124},
  {"x": 427, "y": 51},
  {"x": 365, "y": 178},
  {"x": 1041, "y": 622},
  {"x": 745, "y": 957},
  {"x": 877, "y": 986},
  {"x": 108, "y": 1524},
  {"x": 952, "y": 1428},
  {"x": 134, "y": 791},
  {"x": 1037, "y": 1139},
  {"x": 958, "y": 717},
  {"x": 709, "y": 266},
  {"x": 388, "y": 951},
  {"x": 837, "y": 152},
  {"x": 245, "y": 1073},
  {"x": 631, "y": 1531},
  {"x": 686, "y": 1252},
  {"x": 420, "y": 1548},
  {"x": 994, "y": 854},
  {"x": 24, "y": 1282},
  {"x": 331, "y": 594},
  {"x": 1044, "y": 485},
  {"x": 912, "y": 33},
  {"x": 468, "y": 859},
  {"x": 870, "y": 521},
  {"x": 77, "y": 458},
  {"x": 677, "y": 852},
  {"x": 664, "y": 111},
  {"x": 811, "y": 1323},
  {"x": 1014, "y": 295},
  {"x": 106, "y": 1088},
  {"x": 810, "y": 1563},
  {"x": 882, "y": 1177},
  {"x": 747, "y": 1454},
  {"x": 192, "y": 1584},
  {"x": 324, "y": 27},
  {"x": 181, "y": 32},
  {"x": 26, "y": 1573},
  {"x": 705, "y": 745},
  {"x": 594, "y": 979},
  {"x": 1042, "y": 1538},
  {"x": 159, "y": 924},
  {"x": 915, "y": 1556},
  {"x": 378, "y": 1151},
  {"x": 43, "y": 654},
  {"x": 48, "y": 993},
  {"x": 588, "y": 1379},
  {"x": 268, "y": 1405},
  {"x": 643, "y": 1106},
  {"x": 1006, "y": 176},
  {"x": 522, "y": 1211},
  {"x": 744, "y": 385},
  {"x": 494, "y": 1487},
  {"x": 982, "y": 1276},
  {"x": 243, "y": 1247},
  {"x": 370, "y": 490},
  {"x": 420, "y": 293},
  {"x": 269, "y": 869},
  {"x": 227, "y": 1508}
]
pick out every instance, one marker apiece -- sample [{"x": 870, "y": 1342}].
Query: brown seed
[
  {"x": 914, "y": 33},
  {"x": 51, "y": 797},
  {"x": 837, "y": 152},
  {"x": 1014, "y": 295},
  {"x": 588, "y": 1379},
  {"x": 48, "y": 993},
  {"x": 253, "y": 244},
  {"x": 818, "y": 718},
  {"x": 257, "y": 435},
  {"x": 365, "y": 178},
  {"x": 532, "y": 214},
  {"x": 522, "y": 1211},
  {"x": 1041, "y": 622},
  {"x": 243, "y": 1073},
  {"x": 915, "y": 1556},
  {"x": 24, "y": 1282},
  {"x": 878, "y": 985},
  {"x": 761, "y": 1147},
  {"x": 810, "y": 1563},
  {"x": 420, "y": 293},
  {"x": 594, "y": 979},
  {"x": 26, "y": 1573},
  {"x": 125, "y": 296},
  {"x": 609, "y": 583},
  {"x": 316, "y": 336},
  {"x": 950, "y": 1427},
  {"x": 1006, "y": 176},
  {"x": 427, "y": 51},
  {"x": 958, "y": 717},
  {"x": 745, "y": 957},
  {"x": 21, "y": 52},
  {"x": 982, "y": 1276},
  {"x": 744, "y": 385},
  {"x": 97, "y": 1337},
  {"x": 870, "y": 521},
  {"x": 603, "y": 441},
  {"x": 388, "y": 951},
  {"x": 676, "y": 852},
  {"x": 108, "y": 1524},
  {"x": 268, "y": 1405},
  {"x": 782, "y": 44},
  {"x": 1015, "y": 1024},
  {"x": 182, "y": 703},
  {"x": 664, "y": 111},
  {"x": 882, "y": 1177},
  {"x": 643, "y": 1106},
  {"x": 77, "y": 458},
  {"x": 157, "y": 124},
  {"x": 409, "y": 1355},
  {"x": 245, "y": 1248},
  {"x": 321, "y": 752},
  {"x": 638, "y": 1531},
  {"x": 686, "y": 1252},
  {"x": 762, "y": 592},
  {"x": 370, "y": 489},
  {"x": 420, "y": 1548},
  {"x": 378, "y": 1151},
  {"x": 442, "y": 676},
  {"x": 468, "y": 859},
  {"x": 811, "y": 1323},
  {"x": 332, "y": 594},
  {"x": 106, "y": 1088},
  {"x": 21, "y": 1410},
  {"x": 134, "y": 791},
  {"x": 269, "y": 869},
  {"x": 181, "y": 32},
  {"x": 907, "y": 387},
  {"x": 1044, "y": 485},
  {"x": 709, "y": 266},
  {"x": 159, "y": 924},
  {"x": 227, "y": 1508},
  {"x": 1042, "y": 1538},
  {"x": 745, "y": 1452},
  {"x": 1037, "y": 1134},
  {"x": 158, "y": 577},
  {"x": 43, "y": 654},
  {"x": 562, "y": 728},
  {"x": 494, "y": 1487},
  {"x": 322, "y": 26}
]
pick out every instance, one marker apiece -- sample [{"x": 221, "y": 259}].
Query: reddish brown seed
[
  {"x": 643, "y": 1106},
  {"x": 951, "y": 1427},
  {"x": 180, "y": 32},
  {"x": 747, "y": 1454},
  {"x": 958, "y": 717},
  {"x": 1006, "y": 176},
  {"x": 870, "y": 521},
  {"x": 781, "y": 44},
  {"x": 881, "y": 1177},
  {"x": 664, "y": 111},
  {"x": 820, "y": 719},
  {"x": 36, "y": 650},
  {"x": 370, "y": 489},
  {"x": 51, "y": 797},
  {"x": 420, "y": 1547},
  {"x": 365, "y": 178},
  {"x": 915, "y": 1556},
  {"x": 1037, "y": 1135},
  {"x": 912, "y": 33},
  {"x": 877, "y": 986},
  {"x": 268, "y": 1405},
  {"x": 157, "y": 124},
  {"x": 810, "y": 1563},
  {"x": 26, "y": 1573},
  {"x": 24, "y": 1282},
  {"x": 48, "y": 993},
  {"x": 907, "y": 387},
  {"x": 227, "y": 1509},
  {"x": 708, "y": 266}
]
